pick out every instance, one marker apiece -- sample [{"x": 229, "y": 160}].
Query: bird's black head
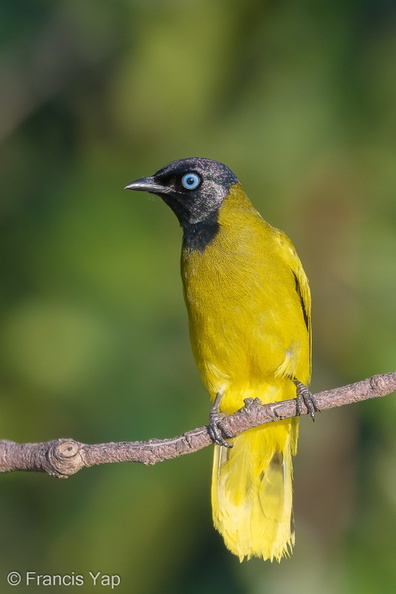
[{"x": 193, "y": 188}]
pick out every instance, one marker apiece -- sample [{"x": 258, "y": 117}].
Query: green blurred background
[{"x": 299, "y": 99}]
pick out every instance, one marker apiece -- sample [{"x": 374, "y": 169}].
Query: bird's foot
[
  {"x": 304, "y": 396},
  {"x": 216, "y": 429}
]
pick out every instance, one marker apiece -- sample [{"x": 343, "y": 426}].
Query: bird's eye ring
[{"x": 191, "y": 181}]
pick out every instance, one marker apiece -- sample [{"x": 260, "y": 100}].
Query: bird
[{"x": 249, "y": 310}]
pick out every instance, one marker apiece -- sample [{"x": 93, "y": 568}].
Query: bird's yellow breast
[{"x": 248, "y": 304}]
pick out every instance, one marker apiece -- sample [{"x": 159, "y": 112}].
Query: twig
[{"x": 64, "y": 457}]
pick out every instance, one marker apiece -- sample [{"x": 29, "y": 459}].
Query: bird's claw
[
  {"x": 304, "y": 396},
  {"x": 216, "y": 429}
]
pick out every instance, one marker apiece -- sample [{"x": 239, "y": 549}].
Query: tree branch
[{"x": 64, "y": 457}]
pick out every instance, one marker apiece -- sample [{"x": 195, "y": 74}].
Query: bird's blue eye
[{"x": 191, "y": 181}]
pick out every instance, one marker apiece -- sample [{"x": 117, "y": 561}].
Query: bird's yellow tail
[{"x": 252, "y": 491}]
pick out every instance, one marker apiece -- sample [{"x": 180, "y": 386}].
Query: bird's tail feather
[{"x": 252, "y": 491}]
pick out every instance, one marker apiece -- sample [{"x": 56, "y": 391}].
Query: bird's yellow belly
[{"x": 242, "y": 350}]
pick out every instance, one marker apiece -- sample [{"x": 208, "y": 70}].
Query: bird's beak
[{"x": 146, "y": 184}]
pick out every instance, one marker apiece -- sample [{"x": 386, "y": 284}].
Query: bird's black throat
[{"x": 197, "y": 236}]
